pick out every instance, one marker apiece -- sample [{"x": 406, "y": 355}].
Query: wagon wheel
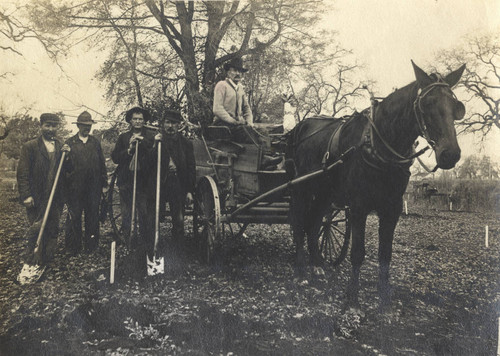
[
  {"x": 334, "y": 235},
  {"x": 114, "y": 211},
  {"x": 207, "y": 226}
]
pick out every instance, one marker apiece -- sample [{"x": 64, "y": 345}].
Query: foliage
[
  {"x": 22, "y": 128},
  {"x": 476, "y": 195},
  {"x": 474, "y": 167},
  {"x": 480, "y": 81}
]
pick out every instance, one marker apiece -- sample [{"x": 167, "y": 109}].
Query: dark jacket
[
  {"x": 86, "y": 167},
  {"x": 122, "y": 158},
  {"x": 182, "y": 153},
  {"x": 33, "y": 172}
]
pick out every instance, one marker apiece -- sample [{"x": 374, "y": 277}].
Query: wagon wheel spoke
[{"x": 334, "y": 236}]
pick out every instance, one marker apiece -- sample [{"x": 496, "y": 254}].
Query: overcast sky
[{"x": 384, "y": 35}]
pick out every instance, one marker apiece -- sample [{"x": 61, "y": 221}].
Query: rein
[{"x": 424, "y": 132}]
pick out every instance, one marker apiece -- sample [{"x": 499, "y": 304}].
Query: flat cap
[
  {"x": 172, "y": 115},
  {"x": 49, "y": 117}
]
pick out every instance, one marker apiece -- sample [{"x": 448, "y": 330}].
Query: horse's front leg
[
  {"x": 358, "y": 223},
  {"x": 314, "y": 222},
  {"x": 387, "y": 224}
]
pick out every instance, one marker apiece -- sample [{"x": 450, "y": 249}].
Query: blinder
[{"x": 459, "y": 111}]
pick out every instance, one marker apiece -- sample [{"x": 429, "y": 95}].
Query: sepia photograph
[{"x": 253, "y": 177}]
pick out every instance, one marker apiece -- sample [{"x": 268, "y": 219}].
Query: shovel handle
[
  {"x": 157, "y": 212},
  {"x": 134, "y": 189},
  {"x": 49, "y": 204}
]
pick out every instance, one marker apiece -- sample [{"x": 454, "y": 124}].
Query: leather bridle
[{"x": 423, "y": 131}]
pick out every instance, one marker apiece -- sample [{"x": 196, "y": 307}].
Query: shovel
[
  {"x": 157, "y": 266},
  {"x": 31, "y": 273},
  {"x": 134, "y": 190}
]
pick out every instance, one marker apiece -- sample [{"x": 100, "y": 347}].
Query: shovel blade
[
  {"x": 30, "y": 274},
  {"x": 157, "y": 266}
]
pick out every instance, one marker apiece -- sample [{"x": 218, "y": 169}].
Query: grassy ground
[{"x": 445, "y": 296}]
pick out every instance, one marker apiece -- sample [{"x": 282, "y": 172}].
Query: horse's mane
[{"x": 395, "y": 109}]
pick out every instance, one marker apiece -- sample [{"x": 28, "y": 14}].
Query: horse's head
[{"x": 436, "y": 109}]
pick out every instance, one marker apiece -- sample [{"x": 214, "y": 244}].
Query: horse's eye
[{"x": 459, "y": 111}]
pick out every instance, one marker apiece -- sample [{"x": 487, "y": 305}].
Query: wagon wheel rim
[
  {"x": 334, "y": 235},
  {"x": 206, "y": 217}
]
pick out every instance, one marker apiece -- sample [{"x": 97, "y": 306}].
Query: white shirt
[
  {"x": 83, "y": 139},
  {"x": 289, "y": 117},
  {"x": 50, "y": 145}
]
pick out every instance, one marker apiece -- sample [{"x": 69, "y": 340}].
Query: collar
[
  {"x": 83, "y": 139},
  {"x": 233, "y": 84},
  {"x": 48, "y": 142}
]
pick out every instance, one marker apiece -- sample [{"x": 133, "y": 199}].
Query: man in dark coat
[
  {"x": 122, "y": 155},
  {"x": 178, "y": 173},
  {"x": 86, "y": 178},
  {"x": 35, "y": 176}
]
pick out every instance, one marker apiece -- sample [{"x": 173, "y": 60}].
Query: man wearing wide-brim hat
[
  {"x": 136, "y": 139},
  {"x": 36, "y": 172},
  {"x": 86, "y": 177},
  {"x": 231, "y": 109}
]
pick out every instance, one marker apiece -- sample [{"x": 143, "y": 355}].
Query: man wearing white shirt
[{"x": 35, "y": 176}]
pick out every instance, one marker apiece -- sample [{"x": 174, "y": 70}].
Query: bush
[
  {"x": 465, "y": 194},
  {"x": 476, "y": 195}
]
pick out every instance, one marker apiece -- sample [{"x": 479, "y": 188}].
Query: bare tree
[
  {"x": 333, "y": 95},
  {"x": 481, "y": 80},
  {"x": 202, "y": 34}
]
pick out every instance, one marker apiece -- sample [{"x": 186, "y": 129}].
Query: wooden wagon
[{"x": 232, "y": 192}]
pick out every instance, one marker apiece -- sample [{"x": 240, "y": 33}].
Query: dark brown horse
[{"x": 375, "y": 176}]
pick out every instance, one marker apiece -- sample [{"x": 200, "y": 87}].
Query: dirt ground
[{"x": 446, "y": 296}]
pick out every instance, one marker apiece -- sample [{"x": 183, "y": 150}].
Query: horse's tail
[{"x": 291, "y": 139}]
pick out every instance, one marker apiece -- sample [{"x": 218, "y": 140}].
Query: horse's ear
[
  {"x": 454, "y": 76},
  {"x": 423, "y": 79}
]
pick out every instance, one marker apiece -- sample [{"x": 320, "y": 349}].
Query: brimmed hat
[
  {"x": 137, "y": 109},
  {"x": 85, "y": 119},
  {"x": 172, "y": 115},
  {"x": 236, "y": 63},
  {"x": 48, "y": 117}
]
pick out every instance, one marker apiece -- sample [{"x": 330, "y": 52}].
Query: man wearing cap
[
  {"x": 36, "y": 172},
  {"x": 86, "y": 177},
  {"x": 178, "y": 174},
  {"x": 231, "y": 109},
  {"x": 122, "y": 155}
]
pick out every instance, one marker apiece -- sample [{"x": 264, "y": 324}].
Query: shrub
[{"x": 476, "y": 195}]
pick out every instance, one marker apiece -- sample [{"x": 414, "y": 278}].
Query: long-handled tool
[
  {"x": 134, "y": 191},
  {"x": 31, "y": 273},
  {"x": 157, "y": 266}
]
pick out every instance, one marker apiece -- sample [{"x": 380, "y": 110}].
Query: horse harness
[
  {"x": 370, "y": 154},
  {"x": 401, "y": 161}
]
